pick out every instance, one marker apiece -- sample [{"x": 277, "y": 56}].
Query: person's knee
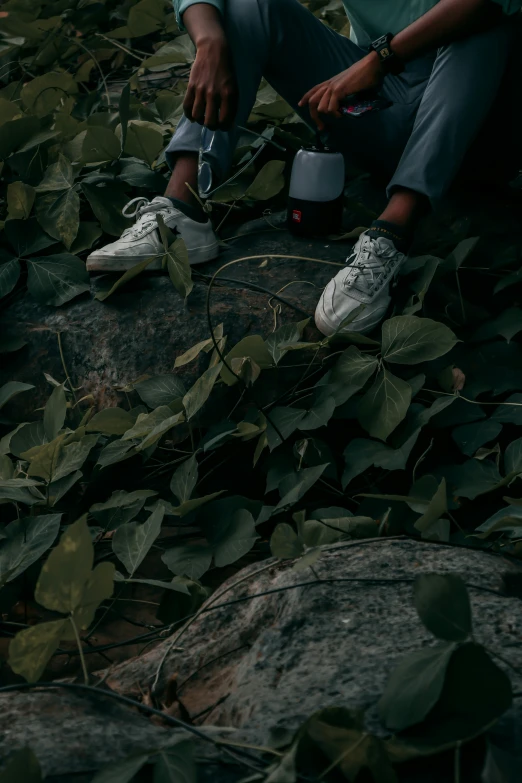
[{"x": 240, "y": 11}]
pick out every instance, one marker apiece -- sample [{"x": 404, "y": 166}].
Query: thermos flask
[{"x": 315, "y": 199}]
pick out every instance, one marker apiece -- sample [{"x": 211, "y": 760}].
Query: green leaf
[
  {"x": 57, "y": 489},
  {"x": 513, "y": 458},
  {"x": 25, "y": 542},
  {"x": 73, "y": 455},
  {"x": 179, "y": 51},
  {"x": 442, "y": 603},
  {"x": 474, "y": 478},
  {"x": 176, "y": 764},
  {"x": 107, "y": 202},
  {"x": 100, "y": 145},
  {"x": 124, "y": 112},
  {"x": 384, "y": 405},
  {"x": 436, "y": 508},
  {"x": 194, "y": 352},
  {"x": 147, "y": 422},
  {"x": 54, "y": 413},
  {"x": 198, "y": 394},
  {"x": 361, "y": 453},
  {"x": 178, "y": 267},
  {"x": 293, "y": 487},
  {"x": 191, "y": 505},
  {"x": 57, "y": 176},
  {"x": 507, "y": 324},
  {"x": 475, "y": 694},
  {"x": 22, "y": 766},
  {"x": 115, "y": 452},
  {"x": 269, "y": 182},
  {"x": 407, "y": 339},
  {"x": 235, "y": 537},
  {"x": 470, "y": 437},
  {"x": 98, "y": 588},
  {"x": 32, "y": 648},
  {"x": 191, "y": 560},
  {"x": 278, "y": 342},
  {"x": 145, "y": 17},
  {"x": 54, "y": 280},
  {"x": 43, "y": 94},
  {"x": 144, "y": 142},
  {"x": 121, "y": 508},
  {"x": 318, "y": 415},
  {"x": 461, "y": 253},
  {"x": 509, "y": 413},
  {"x": 9, "y": 276},
  {"x": 285, "y": 543},
  {"x": 253, "y": 347},
  {"x": 132, "y": 541},
  {"x": 20, "y": 200},
  {"x": 350, "y": 373},
  {"x": 122, "y": 771},
  {"x": 184, "y": 480},
  {"x": 111, "y": 421},
  {"x": 61, "y": 585},
  {"x": 43, "y": 460},
  {"x": 160, "y": 390},
  {"x": 11, "y": 389},
  {"x": 59, "y": 215},
  {"x": 286, "y": 420},
  {"x": 130, "y": 274},
  {"x": 415, "y": 686},
  {"x": 507, "y": 519},
  {"x": 160, "y": 429}
]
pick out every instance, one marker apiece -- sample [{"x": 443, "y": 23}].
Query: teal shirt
[{"x": 369, "y": 18}]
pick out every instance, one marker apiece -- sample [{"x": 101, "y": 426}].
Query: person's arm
[
  {"x": 446, "y": 22},
  {"x": 211, "y": 97}
]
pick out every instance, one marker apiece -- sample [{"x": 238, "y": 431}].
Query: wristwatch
[{"x": 388, "y": 59}]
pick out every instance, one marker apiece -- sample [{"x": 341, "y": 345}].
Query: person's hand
[
  {"x": 324, "y": 99},
  {"x": 211, "y": 97}
]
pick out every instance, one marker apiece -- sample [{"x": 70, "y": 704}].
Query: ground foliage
[{"x": 412, "y": 430}]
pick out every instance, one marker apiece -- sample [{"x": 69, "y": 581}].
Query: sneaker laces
[
  {"x": 142, "y": 208},
  {"x": 373, "y": 263}
]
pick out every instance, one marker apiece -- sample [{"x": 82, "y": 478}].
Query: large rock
[
  {"x": 142, "y": 329},
  {"x": 253, "y": 663}
]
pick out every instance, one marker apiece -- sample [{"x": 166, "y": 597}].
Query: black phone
[{"x": 361, "y": 103}]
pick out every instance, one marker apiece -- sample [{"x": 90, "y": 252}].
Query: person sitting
[{"x": 441, "y": 63}]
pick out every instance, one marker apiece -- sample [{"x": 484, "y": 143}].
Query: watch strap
[{"x": 387, "y": 57}]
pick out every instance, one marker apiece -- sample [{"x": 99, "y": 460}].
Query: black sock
[
  {"x": 400, "y": 236},
  {"x": 194, "y": 213}
]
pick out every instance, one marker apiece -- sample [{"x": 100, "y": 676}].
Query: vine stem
[
  {"x": 193, "y": 619},
  {"x": 80, "y": 649},
  {"x": 456, "y": 776}
]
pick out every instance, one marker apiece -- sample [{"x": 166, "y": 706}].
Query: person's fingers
[
  {"x": 334, "y": 103},
  {"x": 324, "y": 102},
  {"x": 188, "y": 103},
  {"x": 308, "y": 95},
  {"x": 198, "y": 109},
  {"x": 314, "y": 113},
  {"x": 212, "y": 110},
  {"x": 227, "y": 110}
]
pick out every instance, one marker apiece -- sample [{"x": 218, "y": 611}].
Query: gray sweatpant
[{"x": 440, "y": 102}]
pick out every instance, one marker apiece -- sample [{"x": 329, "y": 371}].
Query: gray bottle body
[{"x": 315, "y": 198}]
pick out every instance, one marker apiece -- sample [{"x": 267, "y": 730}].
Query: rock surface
[
  {"x": 273, "y": 660},
  {"x": 142, "y": 329}
]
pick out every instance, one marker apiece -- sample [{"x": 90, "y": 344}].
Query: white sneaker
[
  {"x": 364, "y": 281},
  {"x": 143, "y": 240}
]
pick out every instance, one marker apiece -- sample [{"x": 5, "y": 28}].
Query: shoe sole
[
  {"x": 106, "y": 263},
  {"x": 327, "y": 328}
]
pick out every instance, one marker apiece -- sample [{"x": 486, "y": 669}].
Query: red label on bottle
[{"x": 296, "y": 216}]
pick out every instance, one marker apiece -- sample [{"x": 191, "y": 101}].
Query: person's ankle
[
  {"x": 193, "y": 211},
  {"x": 401, "y": 236}
]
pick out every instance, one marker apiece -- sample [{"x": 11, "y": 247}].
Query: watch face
[{"x": 385, "y": 52}]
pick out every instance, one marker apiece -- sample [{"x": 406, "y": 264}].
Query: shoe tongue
[{"x": 160, "y": 202}]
